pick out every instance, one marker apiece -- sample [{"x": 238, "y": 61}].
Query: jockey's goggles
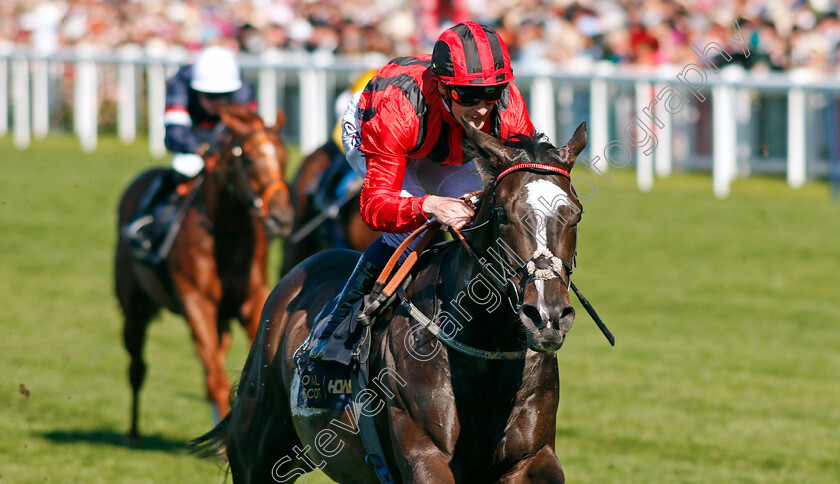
[
  {"x": 471, "y": 95},
  {"x": 214, "y": 96}
]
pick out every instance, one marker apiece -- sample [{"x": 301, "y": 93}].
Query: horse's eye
[{"x": 501, "y": 215}]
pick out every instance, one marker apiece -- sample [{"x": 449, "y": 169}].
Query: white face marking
[
  {"x": 544, "y": 198},
  {"x": 540, "y": 285},
  {"x": 268, "y": 150}
]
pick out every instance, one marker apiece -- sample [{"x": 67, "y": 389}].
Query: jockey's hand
[{"x": 448, "y": 211}]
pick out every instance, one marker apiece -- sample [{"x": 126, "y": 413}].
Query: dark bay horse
[
  {"x": 443, "y": 414},
  {"x": 348, "y": 224},
  {"x": 216, "y": 267}
]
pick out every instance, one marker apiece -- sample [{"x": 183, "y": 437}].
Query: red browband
[{"x": 535, "y": 166}]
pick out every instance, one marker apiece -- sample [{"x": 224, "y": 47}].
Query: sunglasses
[
  {"x": 215, "y": 96},
  {"x": 471, "y": 95}
]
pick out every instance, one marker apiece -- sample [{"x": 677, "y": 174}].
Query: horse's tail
[{"x": 213, "y": 443}]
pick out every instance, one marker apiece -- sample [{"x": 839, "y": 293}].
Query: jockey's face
[
  {"x": 211, "y": 102},
  {"x": 476, "y": 115}
]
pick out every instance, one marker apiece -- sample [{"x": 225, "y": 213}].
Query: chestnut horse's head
[
  {"x": 531, "y": 214},
  {"x": 253, "y": 159}
]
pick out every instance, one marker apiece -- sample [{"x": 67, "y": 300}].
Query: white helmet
[{"x": 215, "y": 70}]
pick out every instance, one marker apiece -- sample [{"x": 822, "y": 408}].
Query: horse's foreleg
[
  {"x": 419, "y": 460},
  {"x": 541, "y": 468},
  {"x": 201, "y": 314},
  {"x": 429, "y": 469}
]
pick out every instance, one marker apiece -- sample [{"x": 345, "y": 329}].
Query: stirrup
[
  {"x": 135, "y": 233},
  {"x": 139, "y": 242}
]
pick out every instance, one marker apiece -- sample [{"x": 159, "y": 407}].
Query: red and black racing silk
[{"x": 402, "y": 115}]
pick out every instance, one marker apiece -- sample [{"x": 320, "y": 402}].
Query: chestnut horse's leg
[
  {"x": 249, "y": 314},
  {"x": 201, "y": 314},
  {"x": 541, "y": 468}
]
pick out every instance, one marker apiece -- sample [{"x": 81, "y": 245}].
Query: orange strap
[
  {"x": 210, "y": 161},
  {"x": 399, "y": 276},
  {"x": 461, "y": 238},
  {"x": 270, "y": 190},
  {"x": 402, "y": 272}
]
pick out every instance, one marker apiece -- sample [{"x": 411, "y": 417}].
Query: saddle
[
  {"x": 326, "y": 383},
  {"x": 151, "y": 234}
]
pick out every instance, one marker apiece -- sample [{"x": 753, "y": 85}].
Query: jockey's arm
[
  {"x": 179, "y": 139},
  {"x": 245, "y": 95},
  {"x": 448, "y": 211},
  {"x": 176, "y": 117},
  {"x": 384, "y": 207}
]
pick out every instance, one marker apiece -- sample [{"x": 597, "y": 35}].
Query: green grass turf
[{"x": 726, "y": 314}]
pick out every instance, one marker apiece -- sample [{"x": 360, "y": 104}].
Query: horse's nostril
[
  {"x": 533, "y": 314},
  {"x": 568, "y": 311},
  {"x": 567, "y": 317}
]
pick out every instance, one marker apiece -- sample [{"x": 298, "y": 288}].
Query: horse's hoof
[{"x": 132, "y": 439}]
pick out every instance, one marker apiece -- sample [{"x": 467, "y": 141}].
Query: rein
[
  {"x": 543, "y": 266},
  {"x": 256, "y": 200}
]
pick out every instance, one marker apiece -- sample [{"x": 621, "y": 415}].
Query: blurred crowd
[{"x": 782, "y": 34}]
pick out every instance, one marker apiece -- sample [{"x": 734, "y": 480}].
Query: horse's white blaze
[
  {"x": 268, "y": 149},
  {"x": 541, "y": 307},
  {"x": 544, "y": 198}
]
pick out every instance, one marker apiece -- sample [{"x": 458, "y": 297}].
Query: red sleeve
[{"x": 386, "y": 141}]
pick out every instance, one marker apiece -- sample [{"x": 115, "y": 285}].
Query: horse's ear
[
  {"x": 496, "y": 156},
  {"x": 280, "y": 121},
  {"x": 570, "y": 151},
  {"x": 232, "y": 117}
]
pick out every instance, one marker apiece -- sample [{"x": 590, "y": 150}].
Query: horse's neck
[
  {"x": 482, "y": 311},
  {"x": 483, "y": 388},
  {"x": 224, "y": 210}
]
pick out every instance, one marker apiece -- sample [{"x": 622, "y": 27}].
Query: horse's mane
[{"x": 537, "y": 146}]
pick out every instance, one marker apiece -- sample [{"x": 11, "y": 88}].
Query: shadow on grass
[{"x": 108, "y": 437}]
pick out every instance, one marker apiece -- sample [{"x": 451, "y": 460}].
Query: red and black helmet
[{"x": 473, "y": 54}]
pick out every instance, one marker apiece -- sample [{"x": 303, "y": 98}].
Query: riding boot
[
  {"x": 142, "y": 231},
  {"x": 359, "y": 284}
]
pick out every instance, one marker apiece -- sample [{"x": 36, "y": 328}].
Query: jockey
[
  {"x": 193, "y": 98},
  {"x": 403, "y": 134}
]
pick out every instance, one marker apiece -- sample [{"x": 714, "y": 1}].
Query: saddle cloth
[{"x": 326, "y": 383}]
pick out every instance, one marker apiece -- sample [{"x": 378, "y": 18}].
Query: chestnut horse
[
  {"x": 445, "y": 414},
  {"x": 353, "y": 232},
  {"x": 216, "y": 268}
]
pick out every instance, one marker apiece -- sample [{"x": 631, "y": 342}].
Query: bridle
[
  {"x": 542, "y": 266},
  {"x": 257, "y": 201}
]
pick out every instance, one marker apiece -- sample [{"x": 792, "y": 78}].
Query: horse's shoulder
[{"x": 325, "y": 267}]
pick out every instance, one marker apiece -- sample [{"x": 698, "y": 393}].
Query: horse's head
[
  {"x": 531, "y": 213},
  {"x": 252, "y": 160}
]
